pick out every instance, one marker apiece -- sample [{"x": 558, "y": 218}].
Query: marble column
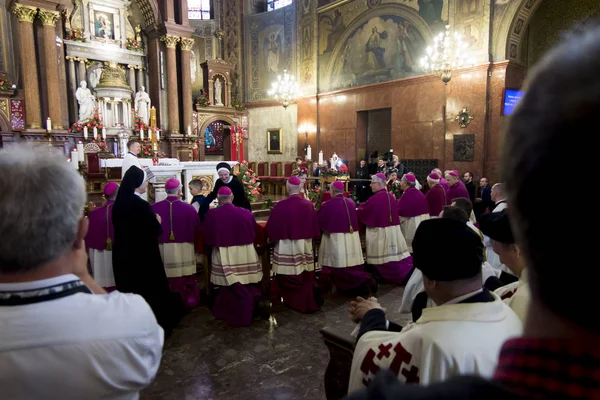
[
  {"x": 140, "y": 77},
  {"x": 49, "y": 19},
  {"x": 85, "y": 11},
  {"x": 186, "y": 81},
  {"x": 26, "y": 15},
  {"x": 172, "y": 93},
  {"x": 131, "y": 77},
  {"x": 73, "y": 89}
]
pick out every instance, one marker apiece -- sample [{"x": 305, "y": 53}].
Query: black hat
[
  {"x": 223, "y": 165},
  {"x": 497, "y": 227},
  {"x": 447, "y": 250}
]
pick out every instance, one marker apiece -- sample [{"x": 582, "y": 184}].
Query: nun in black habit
[
  {"x": 137, "y": 264},
  {"x": 233, "y": 183}
]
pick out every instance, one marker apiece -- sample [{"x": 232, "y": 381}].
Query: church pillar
[
  {"x": 49, "y": 19},
  {"x": 172, "y": 93},
  {"x": 26, "y": 15},
  {"x": 74, "y": 115},
  {"x": 186, "y": 81},
  {"x": 140, "y": 78},
  {"x": 131, "y": 77},
  {"x": 86, "y": 17}
]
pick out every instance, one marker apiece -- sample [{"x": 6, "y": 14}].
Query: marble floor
[{"x": 283, "y": 358}]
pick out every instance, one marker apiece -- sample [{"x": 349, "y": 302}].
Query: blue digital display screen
[{"x": 511, "y": 98}]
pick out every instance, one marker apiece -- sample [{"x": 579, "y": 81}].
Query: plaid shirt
[{"x": 541, "y": 368}]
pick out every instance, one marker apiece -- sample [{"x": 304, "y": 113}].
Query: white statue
[
  {"x": 86, "y": 100},
  {"x": 142, "y": 104},
  {"x": 218, "y": 88},
  {"x": 334, "y": 160}
]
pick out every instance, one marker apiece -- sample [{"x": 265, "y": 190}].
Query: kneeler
[{"x": 341, "y": 351}]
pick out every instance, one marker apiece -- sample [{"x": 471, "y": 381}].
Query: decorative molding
[
  {"x": 170, "y": 40},
  {"x": 48, "y": 17},
  {"x": 232, "y": 21},
  {"x": 25, "y": 13},
  {"x": 187, "y": 44}
]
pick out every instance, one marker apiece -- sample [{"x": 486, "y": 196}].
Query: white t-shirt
[{"x": 81, "y": 346}]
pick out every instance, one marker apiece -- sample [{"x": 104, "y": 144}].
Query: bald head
[{"x": 498, "y": 192}]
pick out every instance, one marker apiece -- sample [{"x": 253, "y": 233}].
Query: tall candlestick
[
  {"x": 142, "y": 134},
  {"x": 153, "y": 117},
  {"x": 95, "y": 133},
  {"x": 103, "y": 133},
  {"x": 74, "y": 159},
  {"x": 49, "y": 124},
  {"x": 80, "y": 151},
  {"x": 157, "y": 133},
  {"x": 320, "y": 157},
  {"x": 308, "y": 153},
  {"x": 85, "y": 132}
]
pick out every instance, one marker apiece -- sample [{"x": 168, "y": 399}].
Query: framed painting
[
  {"x": 104, "y": 22},
  {"x": 274, "y": 141}
]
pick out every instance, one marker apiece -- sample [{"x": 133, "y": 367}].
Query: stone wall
[{"x": 262, "y": 118}]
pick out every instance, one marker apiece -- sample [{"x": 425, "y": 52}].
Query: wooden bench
[{"x": 341, "y": 350}]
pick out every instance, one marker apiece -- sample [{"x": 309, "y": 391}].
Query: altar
[{"x": 168, "y": 168}]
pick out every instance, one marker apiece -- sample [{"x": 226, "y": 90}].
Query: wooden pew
[{"x": 341, "y": 350}]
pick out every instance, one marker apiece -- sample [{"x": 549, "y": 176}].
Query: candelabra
[
  {"x": 447, "y": 53},
  {"x": 285, "y": 89}
]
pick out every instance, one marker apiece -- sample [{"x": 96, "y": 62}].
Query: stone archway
[
  {"x": 151, "y": 12},
  {"x": 511, "y": 30}
]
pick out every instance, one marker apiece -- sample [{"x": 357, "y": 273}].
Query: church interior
[{"x": 257, "y": 84}]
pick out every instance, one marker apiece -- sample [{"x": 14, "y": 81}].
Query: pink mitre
[
  {"x": 381, "y": 176},
  {"x": 410, "y": 178},
  {"x": 434, "y": 176},
  {"x": 172, "y": 184},
  {"x": 224, "y": 191},
  {"x": 453, "y": 173}
]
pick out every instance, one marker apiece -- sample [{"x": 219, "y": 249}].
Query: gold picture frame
[{"x": 274, "y": 141}]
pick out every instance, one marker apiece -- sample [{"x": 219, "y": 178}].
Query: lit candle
[
  {"x": 189, "y": 130},
  {"x": 321, "y": 157},
  {"x": 95, "y": 133},
  {"x": 141, "y": 134},
  {"x": 80, "y": 150},
  {"x": 103, "y": 133},
  {"x": 309, "y": 153},
  {"x": 48, "y": 124},
  {"x": 74, "y": 159}
]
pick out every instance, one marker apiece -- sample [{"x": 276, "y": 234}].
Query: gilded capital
[
  {"x": 170, "y": 40},
  {"x": 48, "y": 17},
  {"x": 25, "y": 13},
  {"x": 187, "y": 44}
]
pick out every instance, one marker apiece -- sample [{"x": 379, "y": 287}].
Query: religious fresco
[
  {"x": 214, "y": 137},
  {"x": 270, "y": 49},
  {"x": 380, "y": 49}
]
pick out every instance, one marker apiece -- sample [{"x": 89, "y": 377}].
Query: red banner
[
  {"x": 233, "y": 142},
  {"x": 17, "y": 117}
]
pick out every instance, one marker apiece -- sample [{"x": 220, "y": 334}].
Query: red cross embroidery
[{"x": 384, "y": 351}]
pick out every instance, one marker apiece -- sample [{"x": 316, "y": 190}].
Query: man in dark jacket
[
  {"x": 553, "y": 119},
  {"x": 362, "y": 188},
  {"x": 468, "y": 180}
]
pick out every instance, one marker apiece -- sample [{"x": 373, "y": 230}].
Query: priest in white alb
[
  {"x": 461, "y": 336},
  {"x": 180, "y": 225}
]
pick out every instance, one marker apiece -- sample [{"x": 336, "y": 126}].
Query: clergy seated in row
[
  {"x": 557, "y": 356},
  {"x": 496, "y": 226},
  {"x": 387, "y": 251},
  {"x": 100, "y": 238},
  {"x": 131, "y": 158},
  {"x": 137, "y": 263},
  {"x": 456, "y": 186},
  {"x": 340, "y": 254},
  {"x": 200, "y": 202},
  {"x": 293, "y": 225},
  {"x": 415, "y": 298},
  {"x": 180, "y": 226},
  {"x": 236, "y": 269},
  {"x": 63, "y": 336},
  {"x": 462, "y": 335},
  {"x": 226, "y": 179},
  {"x": 412, "y": 208},
  {"x": 436, "y": 196}
]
